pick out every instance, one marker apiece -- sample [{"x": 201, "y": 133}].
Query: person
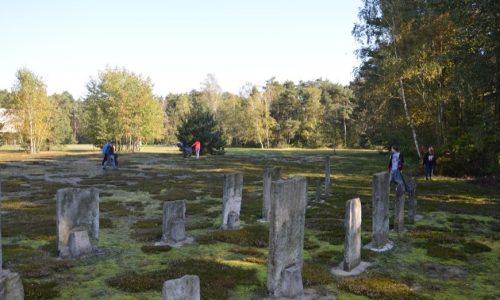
[
  {"x": 186, "y": 149},
  {"x": 429, "y": 162},
  {"x": 105, "y": 150},
  {"x": 396, "y": 164},
  {"x": 113, "y": 155},
  {"x": 197, "y": 147},
  {"x": 109, "y": 153}
]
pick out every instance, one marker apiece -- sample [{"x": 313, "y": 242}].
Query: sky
[{"x": 177, "y": 43}]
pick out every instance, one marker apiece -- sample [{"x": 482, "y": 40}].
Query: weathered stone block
[
  {"x": 11, "y": 286},
  {"x": 399, "y": 209},
  {"x": 232, "y": 195},
  {"x": 174, "y": 220},
  {"x": 327, "y": 176},
  {"x": 79, "y": 243},
  {"x": 270, "y": 174},
  {"x": 412, "y": 202},
  {"x": 380, "y": 209},
  {"x": 318, "y": 190},
  {"x": 286, "y": 237},
  {"x": 184, "y": 288},
  {"x": 76, "y": 208},
  {"x": 352, "y": 225}
]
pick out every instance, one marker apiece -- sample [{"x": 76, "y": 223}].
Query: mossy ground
[{"x": 452, "y": 253}]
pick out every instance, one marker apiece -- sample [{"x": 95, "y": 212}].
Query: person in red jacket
[{"x": 197, "y": 147}]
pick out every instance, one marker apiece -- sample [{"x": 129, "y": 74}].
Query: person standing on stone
[
  {"x": 396, "y": 164},
  {"x": 197, "y": 147},
  {"x": 429, "y": 163}
]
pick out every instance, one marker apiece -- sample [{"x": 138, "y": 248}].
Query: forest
[{"x": 428, "y": 76}]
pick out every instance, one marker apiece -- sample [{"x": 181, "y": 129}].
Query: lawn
[{"x": 451, "y": 253}]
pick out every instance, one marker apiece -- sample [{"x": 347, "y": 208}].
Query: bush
[{"x": 201, "y": 125}]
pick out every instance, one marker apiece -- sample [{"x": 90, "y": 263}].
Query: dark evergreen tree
[{"x": 201, "y": 125}]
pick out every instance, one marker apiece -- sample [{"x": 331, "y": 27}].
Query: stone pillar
[
  {"x": 270, "y": 174},
  {"x": 352, "y": 225},
  {"x": 184, "y": 288},
  {"x": 174, "y": 219},
  {"x": 11, "y": 286},
  {"x": 327, "y": 176},
  {"x": 76, "y": 209},
  {"x": 318, "y": 190},
  {"x": 231, "y": 199},
  {"x": 380, "y": 212},
  {"x": 79, "y": 243},
  {"x": 399, "y": 209},
  {"x": 286, "y": 237},
  {"x": 412, "y": 203}
]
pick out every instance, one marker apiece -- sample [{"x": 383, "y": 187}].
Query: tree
[
  {"x": 32, "y": 110},
  {"x": 431, "y": 67},
  {"x": 201, "y": 125},
  {"x": 120, "y": 105},
  {"x": 63, "y": 130}
]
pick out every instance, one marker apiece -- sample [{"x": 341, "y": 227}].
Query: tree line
[
  {"x": 120, "y": 105},
  {"x": 429, "y": 76}
]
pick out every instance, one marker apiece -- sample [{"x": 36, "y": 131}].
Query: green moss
[
  {"x": 443, "y": 252},
  {"x": 327, "y": 257},
  {"x": 255, "y": 260},
  {"x": 248, "y": 251},
  {"x": 378, "y": 287},
  {"x": 474, "y": 247},
  {"x": 316, "y": 274},
  {"x": 105, "y": 223},
  {"x": 155, "y": 249},
  {"x": 115, "y": 208},
  {"x": 216, "y": 279},
  {"x": 148, "y": 230},
  {"x": 325, "y": 224},
  {"x": 332, "y": 237},
  {"x": 203, "y": 224},
  {"x": 250, "y": 236},
  {"x": 309, "y": 244},
  {"x": 40, "y": 290}
]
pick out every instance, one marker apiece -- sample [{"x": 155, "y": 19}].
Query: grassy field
[{"x": 452, "y": 253}]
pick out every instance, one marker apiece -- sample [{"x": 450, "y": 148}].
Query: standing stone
[
  {"x": 76, "y": 208},
  {"x": 352, "y": 244},
  {"x": 286, "y": 237},
  {"x": 184, "y": 288},
  {"x": 412, "y": 203},
  {"x": 231, "y": 200},
  {"x": 174, "y": 220},
  {"x": 399, "y": 209},
  {"x": 11, "y": 286},
  {"x": 318, "y": 190},
  {"x": 270, "y": 174},
  {"x": 380, "y": 210},
  {"x": 327, "y": 176}
]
